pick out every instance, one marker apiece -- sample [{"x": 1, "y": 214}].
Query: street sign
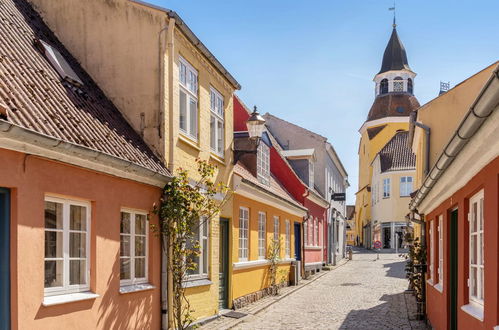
[
  {"x": 377, "y": 245},
  {"x": 339, "y": 197}
]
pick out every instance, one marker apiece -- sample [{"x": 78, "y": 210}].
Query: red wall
[
  {"x": 437, "y": 303},
  {"x": 240, "y": 116}
]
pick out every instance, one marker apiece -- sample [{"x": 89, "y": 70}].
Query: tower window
[
  {"x": 383, "y": 86},
  {"x": 400, "y": 109},
  {"x": 398, "y": 84},
  {"x": 409, "y": 85}
]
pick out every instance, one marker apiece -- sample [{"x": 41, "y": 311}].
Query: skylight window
[{"x": 59, "y": 63}]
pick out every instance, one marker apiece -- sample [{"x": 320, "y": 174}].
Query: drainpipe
[
  {"x": 427, "y": 133},
  {"x": 171, "y": 121}
]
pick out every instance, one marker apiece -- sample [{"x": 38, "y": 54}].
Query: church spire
[{"x": 395, "y": 57}]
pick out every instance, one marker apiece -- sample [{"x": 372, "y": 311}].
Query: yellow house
[
  {"x": 389, "y": 114},
  {"x": 170, "y": 88},
  {"x": 263, "y": 212},
  {"x": 351, "y": 232}
]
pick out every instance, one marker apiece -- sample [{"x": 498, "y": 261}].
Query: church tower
[{"x": 389, "y": 114}]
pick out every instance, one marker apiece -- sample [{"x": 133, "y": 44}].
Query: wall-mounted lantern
[{"x": 255, "y": 125}]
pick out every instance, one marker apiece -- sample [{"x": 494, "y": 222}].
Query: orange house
[{"x": 77, "y": 186}]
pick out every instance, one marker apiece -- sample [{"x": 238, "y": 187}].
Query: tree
[{"x": 184, "y": 207}]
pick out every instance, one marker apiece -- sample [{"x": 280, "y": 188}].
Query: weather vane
[{"x": 393, "y": 8}]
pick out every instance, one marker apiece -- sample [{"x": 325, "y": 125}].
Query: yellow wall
[
  {"x": 249, "y": 280},
  {"x": 367, "y": 151},
  {"x": 122, "y": 45}
]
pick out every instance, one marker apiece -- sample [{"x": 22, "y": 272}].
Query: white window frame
[
  {"x": 277, "y": 227},
  {"x": 386, "y": 188},
  {"x": 244, "y": 216},
  {"x": 432, "y": 250},
  {"x": 440, "y": 270},
  {"x": 217, "y": 118},
  {"x": 405, "y": 188},
  {"x": 287, "y": 246},
  {"x": 263, "y": 163},
  {"x": 67, "y": 288},
  {"x": 135, "y": 280},
  {"x": 190, "y": 89},
  {"x": 262, "y": 233},
  {"x": 203, "y": 223},
  {"x": 477, "y": 300}
]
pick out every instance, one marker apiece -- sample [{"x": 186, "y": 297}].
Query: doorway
[
  {"x": 453, "y": 269},
  {"x": 297, "y": 241},
  {"x": 223, "y": 276},
  {"x": 387, "y": 238},
  {"x": 4, "y": 258}
]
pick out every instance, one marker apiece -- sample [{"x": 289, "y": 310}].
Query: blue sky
[{"x": 312, "y": 62}]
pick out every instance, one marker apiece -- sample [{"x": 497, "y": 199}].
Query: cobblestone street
[{"x": 365, "y": 293}]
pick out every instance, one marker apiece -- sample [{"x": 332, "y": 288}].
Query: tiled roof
[
  {"x": 273, "y": 187},
  {"x": 395, "y": 57},
  {"x": 392, "y": 105},
  {"x": 396, "y": 154},
  {"x": 40, "y": 101}
]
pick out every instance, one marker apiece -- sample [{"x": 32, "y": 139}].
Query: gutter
[
  {"x": 480, "y": 110},
  {"x": 42, "y": 141}
]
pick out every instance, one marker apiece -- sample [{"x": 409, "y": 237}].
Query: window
[
  {"x": 217, "y": 132},
  {"x": 243, "y": 233},
  {"x": 188, "y": 99},
  {"x": 67, "y": 246},
  {"x": 200, "y": 239},
  {"x": 405, "y": 186},
  {"x": 263, "y": 163},
  {"x": 133, "y": 247},
  {"x": 383, "y": 86},
  {"x": 409, "y": 86},
  {"x": 288, "y": 240},
  {"x": 311, "y": 174},
  {"x": 476, "y": 262},
  {"x": 386, "y": 188},
  {"x": 316, "y": 232},
  {"x": 432, "y": 249},
  {"x": 262, "y": 221},
  {"x": 276, "y": 228},
  {"x": 59, "y": 63},
  {"x": 440, "y": 251},
  {"x": 398, "y": 84}
]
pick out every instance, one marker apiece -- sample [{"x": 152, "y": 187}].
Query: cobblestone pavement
[{"x": 366, "y": 293}]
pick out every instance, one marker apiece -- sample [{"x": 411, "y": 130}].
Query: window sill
[
  {"x": 68, "y": 298},
  {"x": 192, "y": 283},
  {"x": 439, "y": 287},
  {"x": 313, "y": 247},
  {"x": 189, "y": 141},
  {"x": 249, "y": 264},
  {"x": 474, "y": 310},
  {"x": 136, "y": 288},
  {"x": 217, "y": 158}
]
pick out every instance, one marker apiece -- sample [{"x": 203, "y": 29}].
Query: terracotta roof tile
[
  {"x": 39, "y": 100},
  {"x": 396, "y": 154},
  {"x": 392, "y": 105}
]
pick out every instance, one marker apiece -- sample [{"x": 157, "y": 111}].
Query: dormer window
[
  {"x": 409, "y": 85},
  {"x": 398, "y": 84},
  {"x": 59, "y": 63},
  {"x": 263, "y": 163},
  {"x": 310, "y": 174},
  {"x": 383, "y": 86}
]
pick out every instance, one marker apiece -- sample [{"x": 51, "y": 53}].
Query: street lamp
[{"x": 255, "y": 125}]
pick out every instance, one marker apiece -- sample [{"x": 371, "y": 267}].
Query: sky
[{"x": 312, "y": 62}]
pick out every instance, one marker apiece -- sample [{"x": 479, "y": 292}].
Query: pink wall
[
  {"x": 30, "y": 178},
  {"x": 316, "y": 211}
]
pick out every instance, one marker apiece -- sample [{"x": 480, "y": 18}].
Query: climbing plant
[
  {"x": 416, "y": 260},
  {"x": 184, "y": 207}
]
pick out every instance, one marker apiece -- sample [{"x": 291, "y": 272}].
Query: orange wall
[{"x": 30, "y": 178}]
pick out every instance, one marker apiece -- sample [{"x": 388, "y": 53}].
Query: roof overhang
[{"x": 376, "y": 122}]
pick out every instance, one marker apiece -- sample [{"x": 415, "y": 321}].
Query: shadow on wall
[
  {"x": 390, "y": 314},
  {"x": 396, "y": 269},
  {"x": 124, "y": 311}
]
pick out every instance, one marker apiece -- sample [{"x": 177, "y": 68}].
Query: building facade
[
  {"x": 72, "y": 254},
  {"x": 172, "y": 90},
  {"x": 457, "y": 167},
  {"x": 394, "y": 101}
]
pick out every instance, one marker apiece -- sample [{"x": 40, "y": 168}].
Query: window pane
[
  {"x": 474, "y": 218},
  {"x": 77, "y": 217},
  {"x": 140, "y": 246},
  {"x": 212, "y": 101},
  {"x": 220, "y": 136},
  {"x": 473, "y": 254},
  {"x": 124, "y": 246},
  {"x": 125, "y": 223},
  {"x": 480, "y": 280},
  {"x": 481, "y": 248},
  {"x": 205, "y": 225},
  {"x": 193, "y": 82},
  {"x": 140, "y": 224},
  {"x": 53, "y": 244},
  {"x": 193, "y": 118},
  {"x": 125, "y": 268},
  {"x": 77, "y": 270},
  {"x": 213, "y": 137},
  {"x": 205, "y": 256},
  {"x": 77, "y": 245},
  {"x": 182, "y": 71},
  {"x": 183, "y": 110},
  {"x": 53, "y": 273},
  {"x": 473, "y": 278},
  {"x": 140, "y": 267},
  {"x": 53, "y": 215}
]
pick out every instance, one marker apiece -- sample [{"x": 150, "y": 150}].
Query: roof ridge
[{"x": 298, "y": 126}]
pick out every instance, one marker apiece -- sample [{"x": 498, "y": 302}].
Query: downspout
[
  {"x": 171, "y": 121},
  {"x": 427, "y": 130}
]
